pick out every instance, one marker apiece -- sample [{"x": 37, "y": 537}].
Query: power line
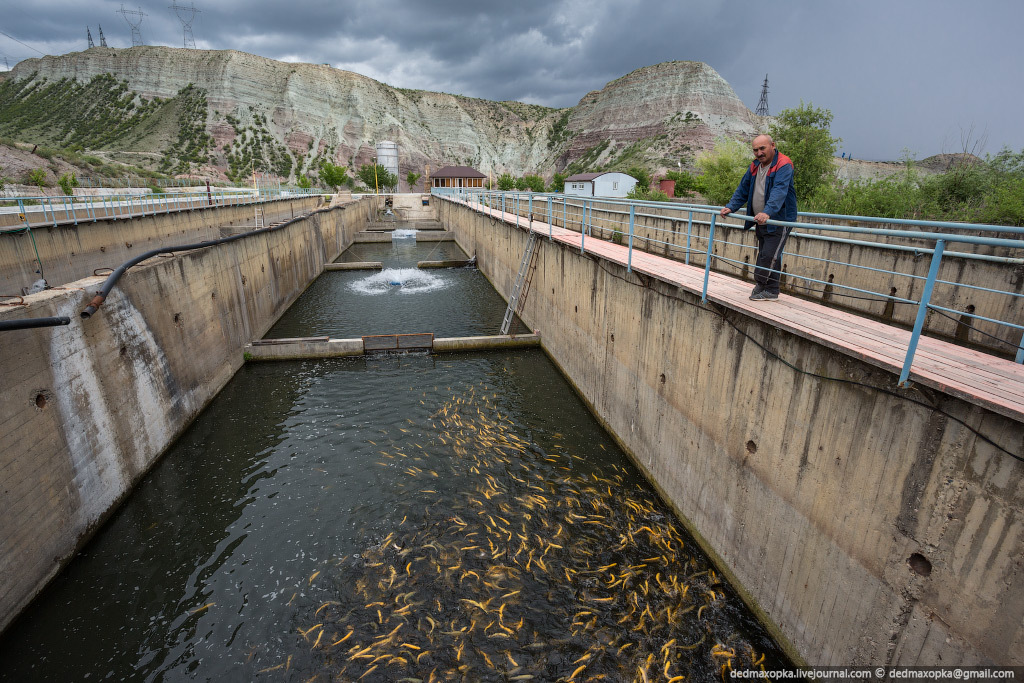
[{"x": 25, "y": 44}]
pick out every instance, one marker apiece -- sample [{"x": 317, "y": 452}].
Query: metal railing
[
  {"x": 697, "y": 235},
  {"x": 34, "y": 212}
]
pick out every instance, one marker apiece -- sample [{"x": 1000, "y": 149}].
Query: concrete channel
[{"x": 822, "y": 501}]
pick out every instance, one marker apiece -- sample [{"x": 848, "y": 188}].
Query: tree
[
  {"x": 506, "y": 182},
  {"x": 304, "y": 182},
  {"x": 333, "y": 176},
  {"x": 412, "y": 178},
  {"x": 376, "y": 177},
  {"x": 557, "y": 183},
  {"x": 642, "y": 176},
  {"x": 721, "y": 170},
  {"x": 803, "y": 135},
  {"x": 533, "y": 183}
]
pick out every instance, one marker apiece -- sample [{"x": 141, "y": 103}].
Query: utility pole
[
  {"x": 136, "y": 32},
  {"x": 88, "y": 34},
  {"x": 186, "y": 15},
  {"x": 762, "y": 104}
]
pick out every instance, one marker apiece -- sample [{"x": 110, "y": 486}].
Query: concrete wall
[
  {"x": 866, "y": 267},
  {"x": 69, "y": 252},
  {"x": 88, "y": 408},
  {"x": 816, "y": 496}
]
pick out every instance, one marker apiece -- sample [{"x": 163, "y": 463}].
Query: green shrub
[
  {"x": 721, "y": 170},
  {"x": 643, "y": 177},
  {"x": 506, "y": 182},
  {"x": 533, "y": 183},
  {"x": 686, "y": 182},
  {"x": 37, "y": 177},
  {"x": 557, "y": 182},
  {"x": 68, "y": 182}
]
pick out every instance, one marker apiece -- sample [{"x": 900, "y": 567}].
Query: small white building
[{"x": 611, "y": 184}]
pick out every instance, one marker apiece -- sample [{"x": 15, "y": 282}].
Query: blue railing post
[
  {"x": 529, "y": 212},
  {"x": 550, "y": 229},
  {"x": 922, "y": 311},
  {"x": 689, "y": 230},
  {"x": 629, "y": 252},
  {"x": 23, "y": 212},
  {"x": 707, "y": 259},
  {"x": 503, "y": 206},
  {"x": 1020, "y": 351},
  {"x": 583, "y": 224}
]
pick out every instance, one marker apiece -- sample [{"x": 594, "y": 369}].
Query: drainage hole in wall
[
  {"x": 124, "y": 350},
  {"x": 613, "y": 337},
  {"x": 919, "y": 564},
  {"x": 751, "y": 447},
  {"x": 177, "y": 318},
  {"x": 576, "y": 309},
  {"x": 662, "y": 378},
  {"x": 213, "y": 295},
  {"x": 41, "y": 399}
]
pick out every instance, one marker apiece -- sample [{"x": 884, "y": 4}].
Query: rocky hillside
[{"x": 220, "y": 112}]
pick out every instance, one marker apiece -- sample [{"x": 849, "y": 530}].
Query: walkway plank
[{"x": 973, "y": 376}]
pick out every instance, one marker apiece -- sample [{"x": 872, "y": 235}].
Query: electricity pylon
[
  {"x": 136, "y": 33},
  {"x": 186, "y": 15},
  {"x": 762, "y": 104}
]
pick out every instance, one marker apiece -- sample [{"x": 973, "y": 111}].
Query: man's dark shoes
[
  {"x": 765, "y": 295},
  {"x": 757, "y": 290}
]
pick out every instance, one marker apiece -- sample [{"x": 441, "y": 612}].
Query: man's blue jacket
[{"x": 779, "y": 195}]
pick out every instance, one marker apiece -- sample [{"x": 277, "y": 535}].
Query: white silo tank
[{"x": 387, "y": 156}]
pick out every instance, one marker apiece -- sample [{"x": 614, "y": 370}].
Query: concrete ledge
[
  {"x": 434, "y": 236},
  {"x": 368, "y": 236},
  {"x": 295, "y": 349},
  {"x": 358, "y": 265},
  {"x": 498, "y": 341},
  {"x": 322, "y": 347},
  {"x": 462, "y": 263}
]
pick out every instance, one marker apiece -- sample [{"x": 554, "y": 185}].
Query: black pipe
[
  {"x": 29, "y": 323},
  {"x": 116, "y": 275}
]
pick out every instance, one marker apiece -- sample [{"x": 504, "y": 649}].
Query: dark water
[
  {"x": 348, "y": 304},
  {"x": 456, "y": 517}
]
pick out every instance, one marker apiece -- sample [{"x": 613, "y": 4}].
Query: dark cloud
[{"x": 913, "y": 74}]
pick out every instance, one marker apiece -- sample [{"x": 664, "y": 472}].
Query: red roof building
[{"x": 457, "y": 176}]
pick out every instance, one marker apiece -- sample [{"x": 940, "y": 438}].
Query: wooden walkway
[{"x": 978, "y": 378}]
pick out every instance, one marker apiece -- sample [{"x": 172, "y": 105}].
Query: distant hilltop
[{"x": 221, "y": 112}]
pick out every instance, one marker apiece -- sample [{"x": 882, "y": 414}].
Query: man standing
[{"x": 767, "y": 186}]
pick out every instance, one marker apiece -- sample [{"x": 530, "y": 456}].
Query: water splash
[
  {"x": 401, "y": 280},
  {"x": 403, "y": 234}
]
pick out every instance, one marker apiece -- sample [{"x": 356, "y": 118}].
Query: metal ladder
[{"x": 518, "y": 289}]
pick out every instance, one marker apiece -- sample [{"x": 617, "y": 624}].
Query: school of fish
[{"x": 528, "y": 566}]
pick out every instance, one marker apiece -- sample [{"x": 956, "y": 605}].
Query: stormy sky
[{"x": 922, "y": 76}]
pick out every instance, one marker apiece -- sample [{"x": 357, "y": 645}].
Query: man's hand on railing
[{"x": 725, "y": 211}]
